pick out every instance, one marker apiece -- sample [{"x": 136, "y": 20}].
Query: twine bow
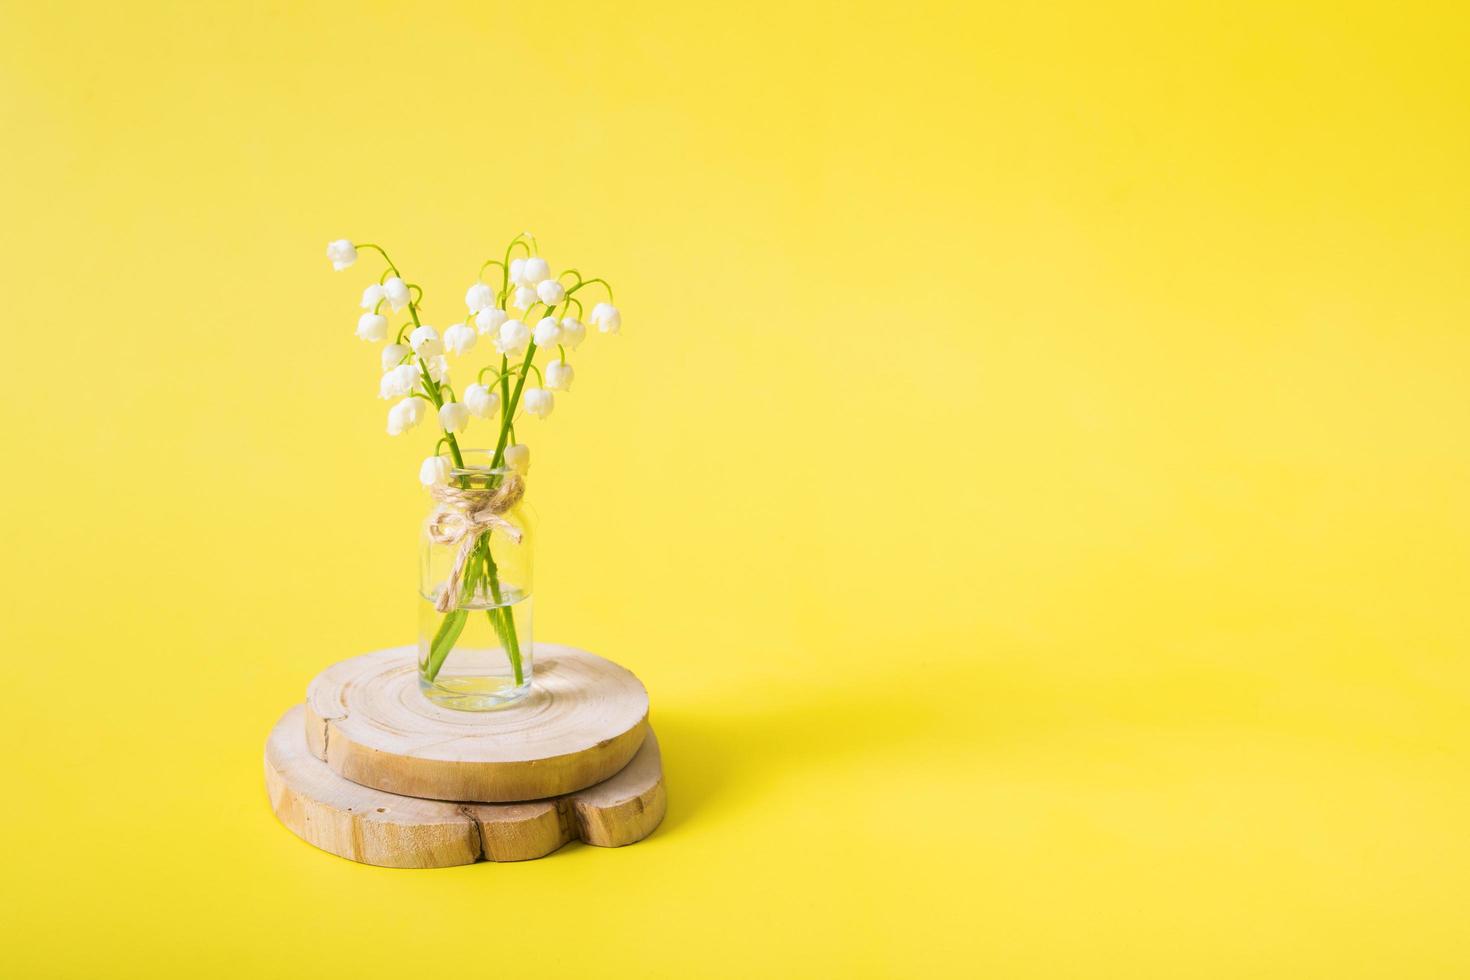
[{"x": 462, "y": 515}]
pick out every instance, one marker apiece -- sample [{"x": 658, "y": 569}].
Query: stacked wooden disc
[{"x": 370, "y": 770}]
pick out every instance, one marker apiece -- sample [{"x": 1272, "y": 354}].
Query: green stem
[
  {"x": 379, "y": 250},
  {"x": 454, "y": 620},
  {"x": 506, "y": 628},
  {"x": 436, "y": 395},
  {"x": 499, "y": 379},
  {"x": 481, "y": 568},
  {"x": 502, "y": 620},
  {"x": 510, "y": 406},
  {"x": 443, "y": 642},
  {"x": 588, "y": 282}
]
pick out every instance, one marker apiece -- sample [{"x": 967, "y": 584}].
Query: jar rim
[{"x": 470, "y": 469}]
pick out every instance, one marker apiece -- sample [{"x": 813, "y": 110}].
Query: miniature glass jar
[{"x": 476, "y": 650}]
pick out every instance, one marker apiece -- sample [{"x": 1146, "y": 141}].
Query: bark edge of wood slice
[
  {"x": 387, "y": 830},
  {"x": 583, "y": 721}
]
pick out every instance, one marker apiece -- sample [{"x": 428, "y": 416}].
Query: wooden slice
[
  {"x": 582, "y": 722},
  {"x": 391, "y": 831}
]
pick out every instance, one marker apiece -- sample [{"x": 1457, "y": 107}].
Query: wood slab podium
[{"x": 371, "y": 771}]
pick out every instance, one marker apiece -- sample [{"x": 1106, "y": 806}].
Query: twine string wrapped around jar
[{"x": 461, "y": 516}]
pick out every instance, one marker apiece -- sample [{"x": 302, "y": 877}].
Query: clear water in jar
[{"x": 479, "y": 672}]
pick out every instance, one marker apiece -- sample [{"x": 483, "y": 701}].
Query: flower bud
[
  {"x": 490, "y": 320},
  {"x": 572, "y": 333},
  {"x": 518, "y": 457},
  {"x": 513, "y": 337},
  {"x": 434, "y": 471},
  {"x": 535, "y": 270},
  {"x": 525, "y": 298},
  {"x": 606, "y": 318},
  {"x": 398, "y": 381},
  {"x": 481, "y": 400},
  {"x": 459, "y": 338},
  {"x": 454, "y": 416},
  {"x": 550, "y": 291},
  {"x": 405, "y": 415},
  {"x": 559, "y": 376},
  {"x": 538, "y": 402},
  {"x": 425, "y": 342},
  {"x": 518, "y": 272},
  {"x": 342, "y": 253},
  {"x": 372, "y": 296},
  {"x": 548, "y": 331},
  {"x": 439, "y": 369},
  {"x": 393, "y": 354},
  {"x": 479, "y": 297},
  {"x": 397, "y": 292},
  {"x": 371, "y": 326}
]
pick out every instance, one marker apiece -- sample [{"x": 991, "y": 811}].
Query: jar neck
[
  {"x": 483, "y": 478},
  {"x": 475, "y": 470}
]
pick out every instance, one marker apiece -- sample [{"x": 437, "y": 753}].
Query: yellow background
[{"x": 1031, "y": 479}]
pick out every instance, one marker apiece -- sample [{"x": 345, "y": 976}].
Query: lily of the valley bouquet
[{"x": 475, "y": 643}]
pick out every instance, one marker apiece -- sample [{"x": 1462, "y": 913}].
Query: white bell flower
[
  {"x": 459, "y": 338},
  {"x": 548, "y": 331},
  {"x": 372, "y": 296},
  {"x": 559, "y": 376},
  {"x": 538, "y": 402},
  {"x": 371, "y": 326},
  {"x": 550, "y": 291},
  {"x": 342, "y": 253},
  {"x": 439, "y": 369},
  {"x": 525, "y": 298},
  {"x": 518, "y": 457},
  {"x": 535, "y": 270},
  {"x": 425, "y": 342},
  {"x": 405, "y": 415},
  {"x": 573, "y": 332},
  {"x": 481, "y": 401},
  {"x": 479, "y": 297},
  {"x": 434, "y": 471},
  {"x": 513, "y": 337},
  {"x": 393, "y": 354},
  {"x": 606, "y": 318},
  {"x": 454, "y": 416},
  {"x": 518, "y": 272},
  {"x": 490, "y": 320},
  {"x": 396, "y": 290},
  {"x": 398, "y": 381}
]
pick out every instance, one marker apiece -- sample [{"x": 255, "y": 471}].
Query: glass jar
[{"x": 475, "y": 645}]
